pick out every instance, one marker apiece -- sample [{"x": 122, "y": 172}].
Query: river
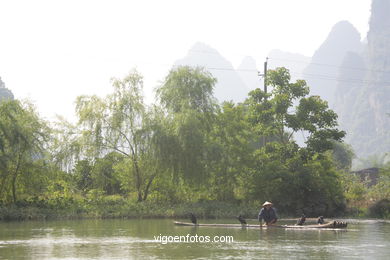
[{"x": 145, "y": 239}]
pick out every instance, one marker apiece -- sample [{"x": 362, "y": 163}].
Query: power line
[
  {"x": 305, "y": 75},
  {"x": 349, "y": 80},
  {"x": 220, "y": 68},
  {"x": 299, "y": 61},
  {"x": 332, "y": 65},
  {"x": 319, "y": 76},
  {"x": 215, "y": 52}
]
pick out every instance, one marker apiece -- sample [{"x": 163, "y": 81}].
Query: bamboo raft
[{"x": 329, "y": 225}]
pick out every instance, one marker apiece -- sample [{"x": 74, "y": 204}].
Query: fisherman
[{"x": 268, "y": 213}]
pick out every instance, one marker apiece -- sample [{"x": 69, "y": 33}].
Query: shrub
[{"x": 380, "y": 209}]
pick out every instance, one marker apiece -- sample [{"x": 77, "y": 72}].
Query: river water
[{"x": 144, "y": 239}]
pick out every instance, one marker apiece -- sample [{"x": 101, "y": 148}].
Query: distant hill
[
  {"x": 363, "y": 88},
  {"x": 4, "y": 92},
  {"x": 229, "y": 86},
  {"x": 321, "y": 74},
  {"x": 348, "y": 89},
  {"x": 234, "y": 84},
  {"x": 352, "y": 74},
  {"x": 294, "y": 62},
  {"x": 248, "y": 72}
]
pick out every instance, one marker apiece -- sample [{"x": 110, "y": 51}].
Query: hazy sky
[{"x": 52, "y": 51}]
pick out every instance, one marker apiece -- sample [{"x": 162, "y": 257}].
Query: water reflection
[{"x": 134, "y": 239}]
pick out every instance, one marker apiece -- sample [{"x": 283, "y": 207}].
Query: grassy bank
[
  {"x": 115, "y": 206},
  {"x": 121, "y": 208}
]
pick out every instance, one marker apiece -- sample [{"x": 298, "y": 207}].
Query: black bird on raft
[
  {"x": 320, "y": 220},
  {"x": 242, "y": 220},
  {"x": 339, "y": 224},
  {"x": 193, "y": 219},
  {"x": 301, "y": 220}
]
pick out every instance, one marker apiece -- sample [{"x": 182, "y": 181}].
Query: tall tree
[
  {"x": 343, "y": 155},
  {"x": 298, "y": 178},
  {"x": 23, "y": 136},
  {"x": 187, "y": 99},
  {"x": 117, "y": 123},
  {"x": 230, "y": 153},
  {"x": 275, "y": 116}
]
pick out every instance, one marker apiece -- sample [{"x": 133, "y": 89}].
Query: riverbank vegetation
[{"x": 184, "y": 153}]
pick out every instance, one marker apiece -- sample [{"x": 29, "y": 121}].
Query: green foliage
[
  {"x": 298, "y": 179},
  {"x": 343, "y": 155},
  {"x": 187, "y": 88},
  {"x": 185, "y": 153},
  {"x": 23, "y": 136},
  {"x": 295, "y": 185},
  {"x": 118, "y": 123},
  {"x": 104, "y": 176},
  {"x": 355, "y": 190},
  {"x": 82, "y": 175},
  {"x": 381, "y": 209},
  {"x": 374, "y": 160},
  {"x": 273, "y": 114},
  {"x": 230, "y": 152},
  {"x": 382, "y": 189},
  {"x": 364, "y": 200},
  {"x": 186, "y": 96}
]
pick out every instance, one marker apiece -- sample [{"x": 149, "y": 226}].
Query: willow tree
[
  {"x": 118, "y": 123},
  {"x": 23, "y": 136},
  {"x": 187, "y": 99}
]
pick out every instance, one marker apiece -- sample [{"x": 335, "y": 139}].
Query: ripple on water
[{"x": 131, "y": 239}]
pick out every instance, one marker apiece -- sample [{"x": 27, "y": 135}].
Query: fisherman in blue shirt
[{"x": 268, "y": 213}]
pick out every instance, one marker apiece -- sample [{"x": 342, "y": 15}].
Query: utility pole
[
  {"x": 264, "y": 139},
  {"x": 265, "y": 75}
]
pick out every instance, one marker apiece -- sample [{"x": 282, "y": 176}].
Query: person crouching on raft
[{"x": 268, "y": 213}]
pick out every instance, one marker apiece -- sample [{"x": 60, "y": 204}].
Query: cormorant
[
  {"x": 193, "y": 218},
  {"x": 301, "y": 220},
  {"x": 242, "y": 220}
]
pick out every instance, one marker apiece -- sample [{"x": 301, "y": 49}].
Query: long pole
[
  {"x": 265, "y": 75},
  {"x": 265, "y": 91}
]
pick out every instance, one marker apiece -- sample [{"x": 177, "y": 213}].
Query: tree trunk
[
  {"x": 14, "y": 188},
  {"x": 137, "y": 181},
  {"x": 139, "y": 196},
  {"x": 14, "y": 179},
  {"x": 146, "y": 192},
  {"x": 3, "y": 180}
]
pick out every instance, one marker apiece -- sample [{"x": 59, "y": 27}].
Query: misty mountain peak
[
  {"x": 202, "y": 47},
  {"x": 229, "y": 85},
  {"x": 247, "y": 63},
  {"x": 249, "y": 73},
  {"x": 5, "y": 93},
  {"x": 364, "y": 88},
  {"x": 2, "y": 84},
  {"x": 380, "y": 19},
  {"x": 322, "y": 72},
  {"x": 343, "y": 37},
  {"x": 344, "y": 27}
]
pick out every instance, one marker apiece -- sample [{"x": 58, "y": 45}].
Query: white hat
[{"x": 267, "y": 203}]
